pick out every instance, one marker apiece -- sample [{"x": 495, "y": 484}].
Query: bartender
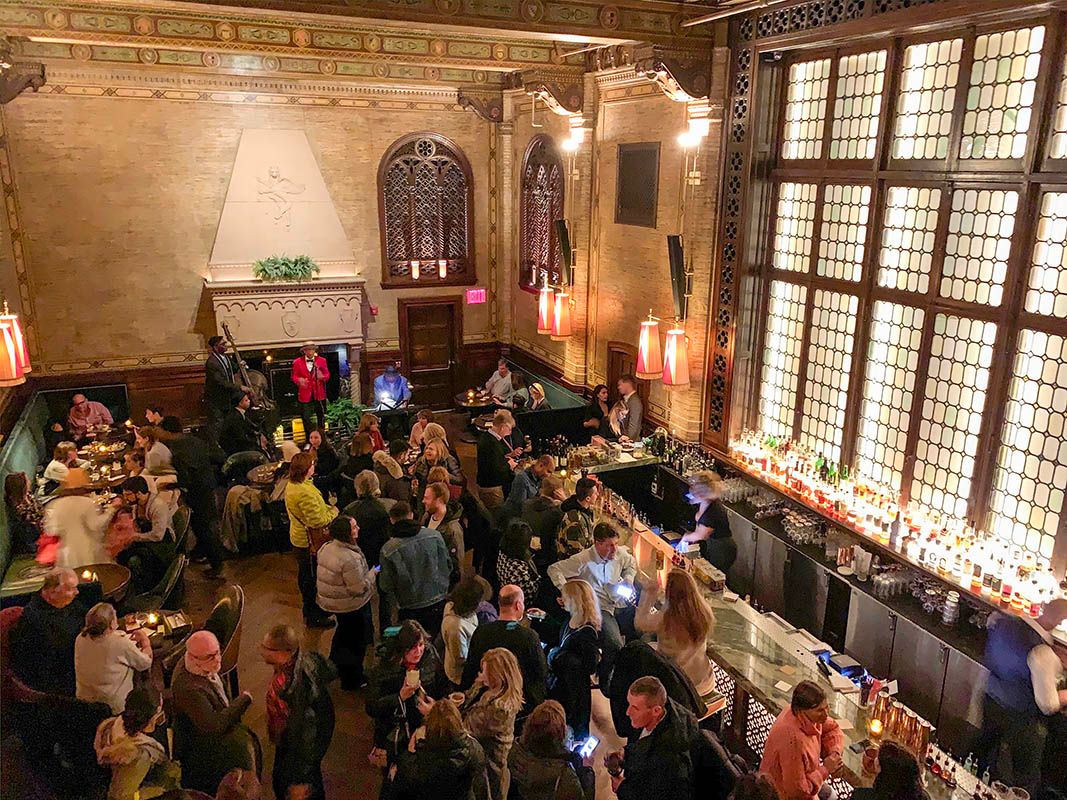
[
  {"x": 391, "y": 390},
  {"x": 1024, "y": 676},
  {"x": 712, "y": 531}
]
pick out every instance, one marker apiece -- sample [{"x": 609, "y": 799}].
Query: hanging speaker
[
  {"x": 563, "y": 236},
  {"x": 677, "y": 259}
]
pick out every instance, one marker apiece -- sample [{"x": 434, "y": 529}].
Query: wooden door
[
  {"x": 622, "y": 360},
  {"x": 431, "y": 335}
]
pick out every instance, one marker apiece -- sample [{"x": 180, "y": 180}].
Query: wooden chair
[{"x": 158, "y": 596}]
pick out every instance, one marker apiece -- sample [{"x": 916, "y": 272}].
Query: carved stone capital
[
  {"x": 682, "y": 77},
  {"x": 487, "y": 105},
  {"x": 16, "y": 76},
  {"x": 561, "y": 88}
]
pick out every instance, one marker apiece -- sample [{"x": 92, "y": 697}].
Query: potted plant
[
  {"x": 343, "y": 416},
  {"x": 285, "y": 268}
]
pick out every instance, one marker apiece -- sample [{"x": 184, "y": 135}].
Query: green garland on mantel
[{"x": 285, "y": 268}]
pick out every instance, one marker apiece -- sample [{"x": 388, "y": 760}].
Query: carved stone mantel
[
  {"x": 324, "y": 311},
  {"x": 16, "y": 76}
]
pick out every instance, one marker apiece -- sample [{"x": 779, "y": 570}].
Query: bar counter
[{"x": 757, "y": 665}]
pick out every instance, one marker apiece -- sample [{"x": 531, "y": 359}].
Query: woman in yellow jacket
[{"x": 306, "y": 510}]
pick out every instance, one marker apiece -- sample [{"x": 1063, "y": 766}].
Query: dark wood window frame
[
  {"x": 624, "y": 216},
  {"x": 539, "y": 252},
  {"x": 1030, "y": 176},
  {"x": 398, "y": 216}
]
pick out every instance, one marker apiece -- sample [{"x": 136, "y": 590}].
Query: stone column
[{"x": 504, "y": 189}]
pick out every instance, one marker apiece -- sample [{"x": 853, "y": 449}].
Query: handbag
[{"x": 317, "y": 537}]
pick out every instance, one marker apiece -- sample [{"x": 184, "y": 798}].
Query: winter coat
[
  {"x": 130, "y": 758},
  {"x": 494, "y": 728},
  {"x": 343, "y": 579},
  {"x": 456, "y": 632},
  {"x": 309, "y": 729},
  {"x": 383, "y": 693},
  {"x": 451, "y": 530},
  {"x": 569, "y": 682},
  {"x": 561, "y": 776},
  {"x": 454, "y": 771},
  {"x": 576, "y": 530},
  {"x": 306, "y": 510},
  {"x": 660, "y": 764},
  {"x": 395, "y": 485},
  {"x": 415, "y": 566}
]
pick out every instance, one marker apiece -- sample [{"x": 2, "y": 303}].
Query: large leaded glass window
[
  {"x": 540, "y": 205},
  {"x": 426, "y": 207},
  {"x": 913, "y": 324}
]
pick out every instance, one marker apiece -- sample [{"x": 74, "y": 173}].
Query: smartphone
[
  {"x": 376, "y": 568},
  {"x": 412, "y": 678},
  {"x": 588, "y": 746},
  {"x": 624, "y": 591}
]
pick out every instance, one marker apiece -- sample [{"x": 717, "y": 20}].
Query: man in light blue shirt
[
  {"x": 610, "y": 569},
  {"x": 391, "y": 390}
]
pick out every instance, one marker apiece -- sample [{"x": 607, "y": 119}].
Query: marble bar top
[{"x": 626, "y": 461}]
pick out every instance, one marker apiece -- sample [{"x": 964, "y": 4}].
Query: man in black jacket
[
  {"x": 239, "y": 433},
  {"x": 221, "y": 383},
  {"x": 191, "y": 459},
  {"x": 42, "y": 645},
  {"x": 509, "y": 632},
  {"x": 657, "y": 760},
  {"x": 497, "y": 452},
  {"x": 300, "y": 715}
]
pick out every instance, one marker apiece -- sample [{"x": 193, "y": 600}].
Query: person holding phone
[
  {"x": 542, "y": 766},
  {"x": 574, "y": 661},
  {"x": 804, "y": 746}
]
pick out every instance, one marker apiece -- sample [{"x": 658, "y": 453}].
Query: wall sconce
[
  {"x": 649, "y": 357},
  {"x": 19, "y": 341},
  {"x": 11, "y": 372},
  {"x": 545, "y": 308},
  {"x": 676, "y": 357},
  {"x": 415, "y": 270},
  {"x": 561, "y": 319},
  {"x": 442, "y": 269}
]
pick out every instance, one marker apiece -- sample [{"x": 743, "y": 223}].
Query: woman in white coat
[
  {"x": 79, "y": 522},
  {"x": 344, "y": 587}
]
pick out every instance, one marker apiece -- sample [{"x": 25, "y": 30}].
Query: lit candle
[
  {"x": 129, "y": 423},
  {"x": 153, "y": 619},
  {"x": 87, "y": 575},
  {"x": 442, "y": 269},
  {"x": 874, "y": 727}
]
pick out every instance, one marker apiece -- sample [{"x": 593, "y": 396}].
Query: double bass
[{"x": 264, "y": 409}]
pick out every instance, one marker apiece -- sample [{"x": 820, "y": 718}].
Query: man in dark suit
[
  {"x": 221, "y": 383},
  {"x": 239, "y": 433},
  {"x": 497, "y": 453},
  {"x": 191, "y": 458},
  {"x": 633, "y": 410}
]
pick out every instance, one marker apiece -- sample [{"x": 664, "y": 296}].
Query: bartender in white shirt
[
  {"x": 499, "y": 384},
  {"x": 610, "y": 569}
]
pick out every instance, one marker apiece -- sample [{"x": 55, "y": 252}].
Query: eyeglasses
[{"x": 207, "y": 656}]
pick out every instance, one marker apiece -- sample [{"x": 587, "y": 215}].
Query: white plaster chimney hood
[{"x": 277, "y": 203}]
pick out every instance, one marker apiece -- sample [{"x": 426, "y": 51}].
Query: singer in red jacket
[{"x": 310, "y": 374}]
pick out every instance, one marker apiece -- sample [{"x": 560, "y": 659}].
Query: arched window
[
  {"x": 425, "y": 205},
  {"x": 540, "y": 205}
]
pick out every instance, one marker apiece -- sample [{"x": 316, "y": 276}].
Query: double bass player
[{"x": 221, "y": 384}]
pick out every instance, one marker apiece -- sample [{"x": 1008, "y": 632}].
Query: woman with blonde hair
[
  {"x": 490, "y": 709},
  {"x": 682, "y": 626},
  {"x": 712, "y": 530},
  {"x": 435, "y": 454},
  {"x": 418, "y": 430},
  {"x": 573, "y": 662}
]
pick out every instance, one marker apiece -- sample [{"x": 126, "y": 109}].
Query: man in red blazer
[{"x": 310, "y": 374}]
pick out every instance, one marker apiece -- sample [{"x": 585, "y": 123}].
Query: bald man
[
  {"x": 513, "y": 633},
  {"x": 42, "y": 646},
  {"x": 85, "y": 413}
]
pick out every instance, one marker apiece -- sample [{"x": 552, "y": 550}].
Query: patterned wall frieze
[
  {"x": 132, "y": 83},
  {"x": 487, "y": 105},
  {"x": 140, "y": 30},
  {"x": 561, "y": 88},
  {"x": 651, "y": 20},
  {"x": 679, "y": 77}
]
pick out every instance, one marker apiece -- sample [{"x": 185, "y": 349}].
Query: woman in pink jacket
[{"x": 804, "y": 746}]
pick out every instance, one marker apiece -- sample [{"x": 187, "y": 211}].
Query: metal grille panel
[
  {"x": 758, "y": 724},
  {"x": 979, "y": 242},
  {"x": 725, "y": 686},
  {"x": 805, "y": 109},
  {"x": 858, "y": 105},
  {"x": 781, "y": 357},
  {"x": 889, "y": 386},
  {"x": 833, "y": 325},
  {"x": 1046, "y": 291},
  {"x": 1003, "y": 81},
  {"x": 794, "y": 226},
  {"x": 955, "y": 391},
  {"x": 909, "y": 229},
  {"x": 1031, "y": 473},
  {"x": 843, "y": 237},
  {"x": 927, "y": 94}
]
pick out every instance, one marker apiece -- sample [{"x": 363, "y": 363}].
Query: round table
[
  {"x": 263, "y": 475},
  {"x": 113, "y": 578},
  {"x": 473, "y": 405}
]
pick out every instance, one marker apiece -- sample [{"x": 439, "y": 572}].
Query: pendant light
[
  {"x": 545, "y": 309},
  {"x": 676, "y": 358},
  {"x": 649, "y": 357},
  {"x": 561, "y": 319},
  {"x": 20, "y": 341},
  {"x": 11, "y": 373}
]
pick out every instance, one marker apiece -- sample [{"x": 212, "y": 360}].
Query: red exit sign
[{"x": 475, "y": 296}]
